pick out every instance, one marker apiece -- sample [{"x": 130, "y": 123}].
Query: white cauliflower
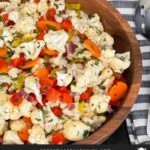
[
  {"x": 59, "y": 5},
  {"x": 16, "y": 114},
  {"x": 75, "y": 130},
  {"x": 11, "y": 137},
  {"x": 26, "y": 108},
  {"x": 25, "y": 24},
  {"x": 3, "y": 126},
  {"x": 120, "y": 62},
  {"x": 99, "y": 103},
  {"x": 56, "y": 40},
  {"x": 37, "y": 117},
  {"x": 50, "y": 119},
  {"x": 14, "y": 16},
  {"x": 32, "y": 85},
  {"x": 63, "y": 79},
  {"x": 42, "y": 7},
  {"x": 31, "y": 49},
  {"x": 5, "y": 79},
  {"x": 37, "y": 135},
  {"x": 8, "y": 37},
  {"x": 28, "y": 8},
  {"x": 3, "y": 97},
  {"x": 17, "y": 125},
  {"x": 14, "y": 72}
]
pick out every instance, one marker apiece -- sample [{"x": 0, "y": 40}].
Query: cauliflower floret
[
  {"x": 86, "y": 80},
  {"x": 99, "y": 103},
  {"x": 31, "y": 49},
  {"x": 26, "y": 108},
  {"x": 56, "y": 40},
  {"x": 120, "y": 62},
  {"x": 4, "y": 4},
  {"x": 74, "y": 113},
  {"x": 32, "y": 85},
  {"x": 17, "y": 125},
  {"x": 3, "y": 97},
  {"x": 25, "y": 24},
  {"x": 14, "y": 16},
  {"x": 16, "y": 114},
  {"x": 8, "y": 37},
  {"x": 37, "y": 117},
  {"x": 5, "y": 79},
  {"x": 63, "y": 79},
  {"x": 95, "y": 23},
  {"x": 81, "y": 24},
  {"x": 59, "y": 5},
  {"x": 3, "y": 126},
  {"x": 42, "y": 7},
  {"x": 28, "y": 8},
  {"x": 108, "y": 53},
  {"x": 50, "y": 119},
  {"x": 1, "y": 43},
  {"x": 11, "y": 137},
  {"x": 37, "y": 135},
  {"x": 14, "y": 72},
  {"x": 75, "y": 130}
]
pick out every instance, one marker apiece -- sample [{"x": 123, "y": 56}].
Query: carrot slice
[
  {"x": 117, "y": 91},
  {"x": 3, "y": 53},
  {"x": 4, "y": 68},
  {"x": 50, "y": 52},
  {"x": 30, "y": 63},
  {"x": 24, "y": 134},
  {"x": 5, "y": 17},
  {"x": 66, "y": 98},
  {"x": 92, "y": 48},
  {"x": 16, "y": 99},
  {"x": 43, "y": 72},
  {"x": 46, "y": 25},
  {"x": 58, "y": 138}
]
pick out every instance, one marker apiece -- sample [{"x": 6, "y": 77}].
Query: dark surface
[{"x": 120, "y": 136}]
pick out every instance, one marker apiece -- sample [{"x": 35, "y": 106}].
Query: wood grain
[{"x": 125, "y": 40}]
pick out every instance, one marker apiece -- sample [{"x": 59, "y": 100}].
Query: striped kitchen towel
[{"x": 137, "y": 119}]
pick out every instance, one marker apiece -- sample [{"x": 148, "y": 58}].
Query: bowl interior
[{"x": 125, "y": 40}]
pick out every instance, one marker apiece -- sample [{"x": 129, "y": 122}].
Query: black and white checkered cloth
[{"x": 137, "y": 120}]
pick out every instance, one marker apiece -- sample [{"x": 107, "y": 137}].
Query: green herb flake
[
  {"x": 51, "y": 27},
  {"x": 96, "y": 62},
  {"x": 85, "y": 133},
  {"x": 81, "y": 51},
  {"x": 74, "y": 83}
]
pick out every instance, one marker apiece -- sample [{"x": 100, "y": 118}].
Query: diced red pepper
[
  {"x": 66, "y": 24},
  {"x": 46, "y": 83},
  {"x": 58, "y": 138},
  {"x": 66, "y": 98},
  {"x": 5, "y": 17},
  {"x": 50, "y": 15},
  {"x": 17, "y": 62},
  {"x": 57, "y": 111},
  {"x": 27, "y": 119},
  {"x": 9, "y": 23},
  {"x": 4, "y": 67},
  {"x": 64, "y": 89},
  {"x": 87, "y": 94},
  {"x": 36, "y": 1},
  {"x": 41, "y": 18},
  {"x": 40, "y": 36},
  {"x": 83, "y": 36},
  {"x": 16, "y": 99},
  {"x": 53, "y": 95},
  {"x": 32, "y": 99}
]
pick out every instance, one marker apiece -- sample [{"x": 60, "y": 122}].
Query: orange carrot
[
  {"x": 43, "y": 72},
  {"x": 4, "y": 68},
  {"x": 24, "y": 134},
  {"x": 46, "y": 25},
  {"x": 16, "y": 99},
  {"x": 30, "y": 63},
  {"x": 117, "y": 91},
  {"x": 92, "y": 48},
  {"x": 50, "y": 52},
  {"x": 3, "y": 53},
  {"x": 5, "y": 17},
  {"x": 27, "y": 119}
]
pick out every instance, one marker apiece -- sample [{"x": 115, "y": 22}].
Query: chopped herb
[
  {"x": 56, "y": 5},
  {"x": 4, "y": 74},
  {"x": 121, "y": 70},
  {"x": 9, "y": 53},
  {"x": 0, "y": 18},
  {"x": 38, "y": 119},
  {"x": 122, "y": 58},
  {"x": 102, "y": 87},
  {"x": 85, "y": 133},
  {"x": 116, "y": 74},
  {"x": 96, "y": 62},
  {"x": 85, "y": 59},
  {"x": 81, "y": 51},
  {"x": 51, "y": 27},
  {"x": 99, "y": 73},
  {"x": 14, "y": 79},
  {"x": 74, "y": 83}
]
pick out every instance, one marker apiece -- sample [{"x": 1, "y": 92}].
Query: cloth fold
[{"x": 137, "y": 119}]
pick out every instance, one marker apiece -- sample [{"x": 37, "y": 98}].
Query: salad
[{"x": 59, "y": 72}]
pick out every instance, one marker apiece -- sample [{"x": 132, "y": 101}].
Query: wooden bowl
[{"x": 125, "y": 40}]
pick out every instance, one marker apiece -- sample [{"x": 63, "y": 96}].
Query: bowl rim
[{"x": 94, "y": 138}]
